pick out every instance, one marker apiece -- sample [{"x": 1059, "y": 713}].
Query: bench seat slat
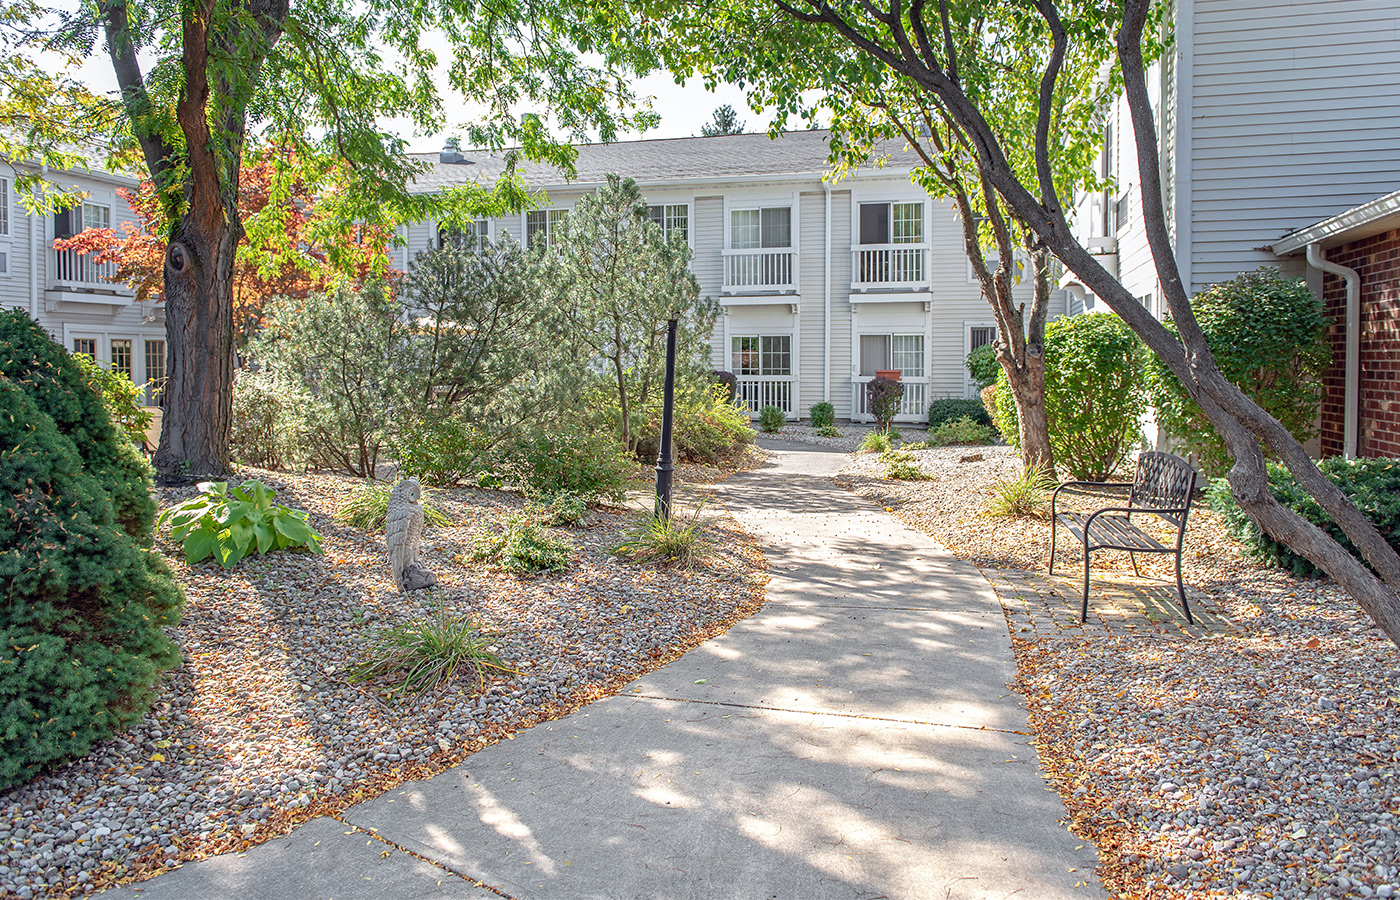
[{"x": 1113, "y": 532}]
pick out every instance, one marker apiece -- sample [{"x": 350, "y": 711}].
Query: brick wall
[{"x": 1377, "y": 259}]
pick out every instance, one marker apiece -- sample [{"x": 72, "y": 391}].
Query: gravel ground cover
[
  {"x": 1256, "y": 762},
  {"x": 851, "y": 435},
  {"x": 260, "y": 729}
]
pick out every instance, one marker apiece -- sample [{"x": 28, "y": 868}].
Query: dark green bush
[
  {"x": 822, "y": 415},
  {"x": 81, "y": 639},
  {"x": 1372, "y": 484},
  {"x": 771, "y": 418},
  {"x": 55, "y": 383},
  {"x": 961, "y": 431},
  {"x": 1268, "y": 335},
  {"x": 946, "y": 410},
  {"x": 444, "y": 452},
  {"x": 1093, "y": 394},
  {"x": 982, "y": 365},
  {"x": 586, "y": 462}
]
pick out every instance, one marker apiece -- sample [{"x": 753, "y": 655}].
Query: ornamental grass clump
[
  {"x": 420, "y": 655},
  {"x": 522, "y": 546},
  {"x": 877, "y": 442},
  {"x": 675, "y": 541},
  {"x": 1026, "y": 495},
  {"x": 368, "y": 509}
]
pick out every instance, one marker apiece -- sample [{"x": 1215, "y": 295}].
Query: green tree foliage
[
  {"x": 120, "y": 395},
  {"x": 615, "y": 279},
  {"x": 982, "y": 365},
  {"x": 724, "y": 121},
  {"x": 1268, "y": 334},
  {"x": 1094, "y": 395},
  {"x": 56, "y": 384},
  {"x": 81, "y": 639}
]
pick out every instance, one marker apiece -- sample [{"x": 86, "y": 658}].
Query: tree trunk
[
  {"x": 1027, "y": 382},
  {"x": 194, "y": 429}
]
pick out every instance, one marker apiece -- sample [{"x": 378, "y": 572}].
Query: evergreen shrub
[
  {"x": 82, "y": 644},
  {"x": 708, "y": 427},
  {"x": 822, "y": 415},
  {"x": 268, "y": 422},
  {"x": 950, "y": 408},
  {"x": 443, "y": 452},
  {"x": 771, "y": 418}
]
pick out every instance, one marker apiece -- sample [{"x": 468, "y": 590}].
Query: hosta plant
[{"x": 231, "y": 524}]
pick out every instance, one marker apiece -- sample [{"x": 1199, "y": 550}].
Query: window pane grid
[
  {"x": 744, "y": 229},
  {"x": 85, "y": 345},
  {"x": 745, "y": 352},
  {"x": 777, "y": 355},
  {"x": 155, "y": 371},
  {"x": 907, "y": 222},
  {"x": 121, "y": 357},
  {"x": 4, "y": 206},
  {"x": 907, "y": 354},
  {"x": 95, "y": 216}
]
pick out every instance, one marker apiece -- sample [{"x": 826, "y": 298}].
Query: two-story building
[{"x": 821, "y": 283}]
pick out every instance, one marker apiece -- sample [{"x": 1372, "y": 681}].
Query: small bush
[
  {"x": 771, "y": 418},
  {"x": 894, "y": 434},
  {"x": 876, "y": 442},
  {"x": 563, "y": 509},
  {"x": 882, "y": 396},
  {"x": 1028, "y": 494},
  {"x": 267, "y": 424},
  {"x": 916, "y": 445},
  {"x": 899, "y": 465},
  {"x": 946, "y": 410},
  {"x": 120, "y": 394},
  {"x": 667, "y": 542},
  {"x": 1372, "y": 484},
  {"x": 368, "y": 509},
  {"x": 708, "y": 427},
  {"x": 982, "y": 365},
  {"x": 961, "y": 431},
  {"x": 988, "y": 398},
  {"x": 728, "y": 381},
  {"x": 828, "y": 431},
  {"x": 523, "y": 547},
  {"x": 444, "y": 452},
  {"x": 582, "y": 461},
  {"x": 425, "y": 653},
  {"x": 230, "y": 525},
  {"x": 822, "y": 415}
]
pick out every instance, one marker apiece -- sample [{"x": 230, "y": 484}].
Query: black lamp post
[{"x": 665, "y": 470}]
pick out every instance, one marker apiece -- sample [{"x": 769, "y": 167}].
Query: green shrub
[
  {"x": 582, "y": 461},
  {"x": 950, "y": 408},
  {"x": 828, "y": 431},
  {"x": 961, "y": 431},
  {"x": 1093, "y": 394},
  {"x": 916, "y": 445},
  {"x": 425, "y": 653},
  {"x": 1028, "y": 494},
  {"x": 673, "y": 541},
  {"x": 368, "y": 509},
  {"x": 121, "y": 396},
  {"x": 230, "y": 525},
  {"x": 268, "y": 423},
  {"x": 900, "y": 465},
  {"x": 822, "y": 415},
  {"x": 771, "y": 418},
  {"x": 894, "y": 434},
  {"x": 708, "y": 427},
  {"x": 982, "y": 365},
  {"x": 564, "y": 509},
  {"x": 882, "y": 396},
  {"x": 1372, "y": 484},
  {"x": 82, "y": 644},
  {"x": 443, "y": 452},
  {"x": 1268, "y": 335},
  {"x": 522, "y": 546},
  {"x": 876, "y": 442},
  {"x": 728, "y": 382},
  {"x": 55, "y": 384}
]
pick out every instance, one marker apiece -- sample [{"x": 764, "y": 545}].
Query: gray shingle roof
[{"x": 737, "y": 155}]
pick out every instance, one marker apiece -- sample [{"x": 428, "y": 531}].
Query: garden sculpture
[{"x": 403, "y": 531}]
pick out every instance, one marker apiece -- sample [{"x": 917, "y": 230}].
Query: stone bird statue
[{"x": 402, "y": 532}]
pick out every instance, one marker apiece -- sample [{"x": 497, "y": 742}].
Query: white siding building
[{"x": 821, "y": 284}]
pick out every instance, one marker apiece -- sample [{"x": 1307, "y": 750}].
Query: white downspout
[
  {"x": 36, "y": 223},
  {"x": 1353, "y": 355},
  {"x": 826, "y": 301}
]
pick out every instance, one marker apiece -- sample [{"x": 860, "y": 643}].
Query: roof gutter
[
  {"x": 691, "y": 181},
  {"x": 1352, "y": 389}
]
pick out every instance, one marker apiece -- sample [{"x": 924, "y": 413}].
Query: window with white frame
[
  {"x": 4, "y": 207},
  {"x": 541, "y": 226},
  {"x": 892, "y": 223},
  {"x": 767, "y": 354},
  {"x": 95, "y": 215},
  {"x": 881, "y": 352},
  {"x": 979, "y": 336},
  {"x": 673, "y": 218},
  {"x": 754, "y": 229},
  {"x": 469, "y": 237}
]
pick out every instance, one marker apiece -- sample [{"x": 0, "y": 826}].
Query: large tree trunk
[{"x": 194, "y": 431}]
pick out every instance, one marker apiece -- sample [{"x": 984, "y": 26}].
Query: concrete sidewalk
[{"x": 854, "y": 739}]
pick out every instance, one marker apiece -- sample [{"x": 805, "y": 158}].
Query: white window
[
  {"x": 883, "y": 352},
  {"x": 471, "y": 237},
  {"x": 753, "y": 229},
  {"x": 541, "y": 225},
  {"x": 980, "y": 336},
  {"x": 4, "y": 207},
  {"x": 85, "y": 345},
  {"x": 673, "y": 218},
  {"x": 96, "y": 215},
  {"x": 892, "y": 223},
  {"x": 768, "y": 354}
]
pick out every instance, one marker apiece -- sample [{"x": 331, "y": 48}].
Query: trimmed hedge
[
  {"x": 951, "y": 408},
  {"x": 1372, "y": 484}
]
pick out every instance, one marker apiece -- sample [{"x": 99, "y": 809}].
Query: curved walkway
[{"x": 853, "y": 739}]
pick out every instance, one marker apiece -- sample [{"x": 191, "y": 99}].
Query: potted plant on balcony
[{"x": 891, "y": 374}]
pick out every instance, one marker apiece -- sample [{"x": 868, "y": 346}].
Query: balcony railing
[
  {"x": 758, "y": 391},
  {"x": 912, "y": 406},
  {"x": 759, "y": 270},
  {"x": 889, "y": 266},
  {"x": 69, "y": 268}
]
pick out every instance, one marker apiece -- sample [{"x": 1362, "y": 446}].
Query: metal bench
[{"x": 1162, "y": 486}]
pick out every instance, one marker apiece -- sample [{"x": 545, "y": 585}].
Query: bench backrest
[{"x": 1163, "y": 481}]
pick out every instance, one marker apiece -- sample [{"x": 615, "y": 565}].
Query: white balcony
[
  {"x": 769, "y": 271},
  {"x": 889, "y": 267},
  {"x": 77, "y": 278},
  {"x": 913, "y": 406},
  {"x": 758, "y": 391}
]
